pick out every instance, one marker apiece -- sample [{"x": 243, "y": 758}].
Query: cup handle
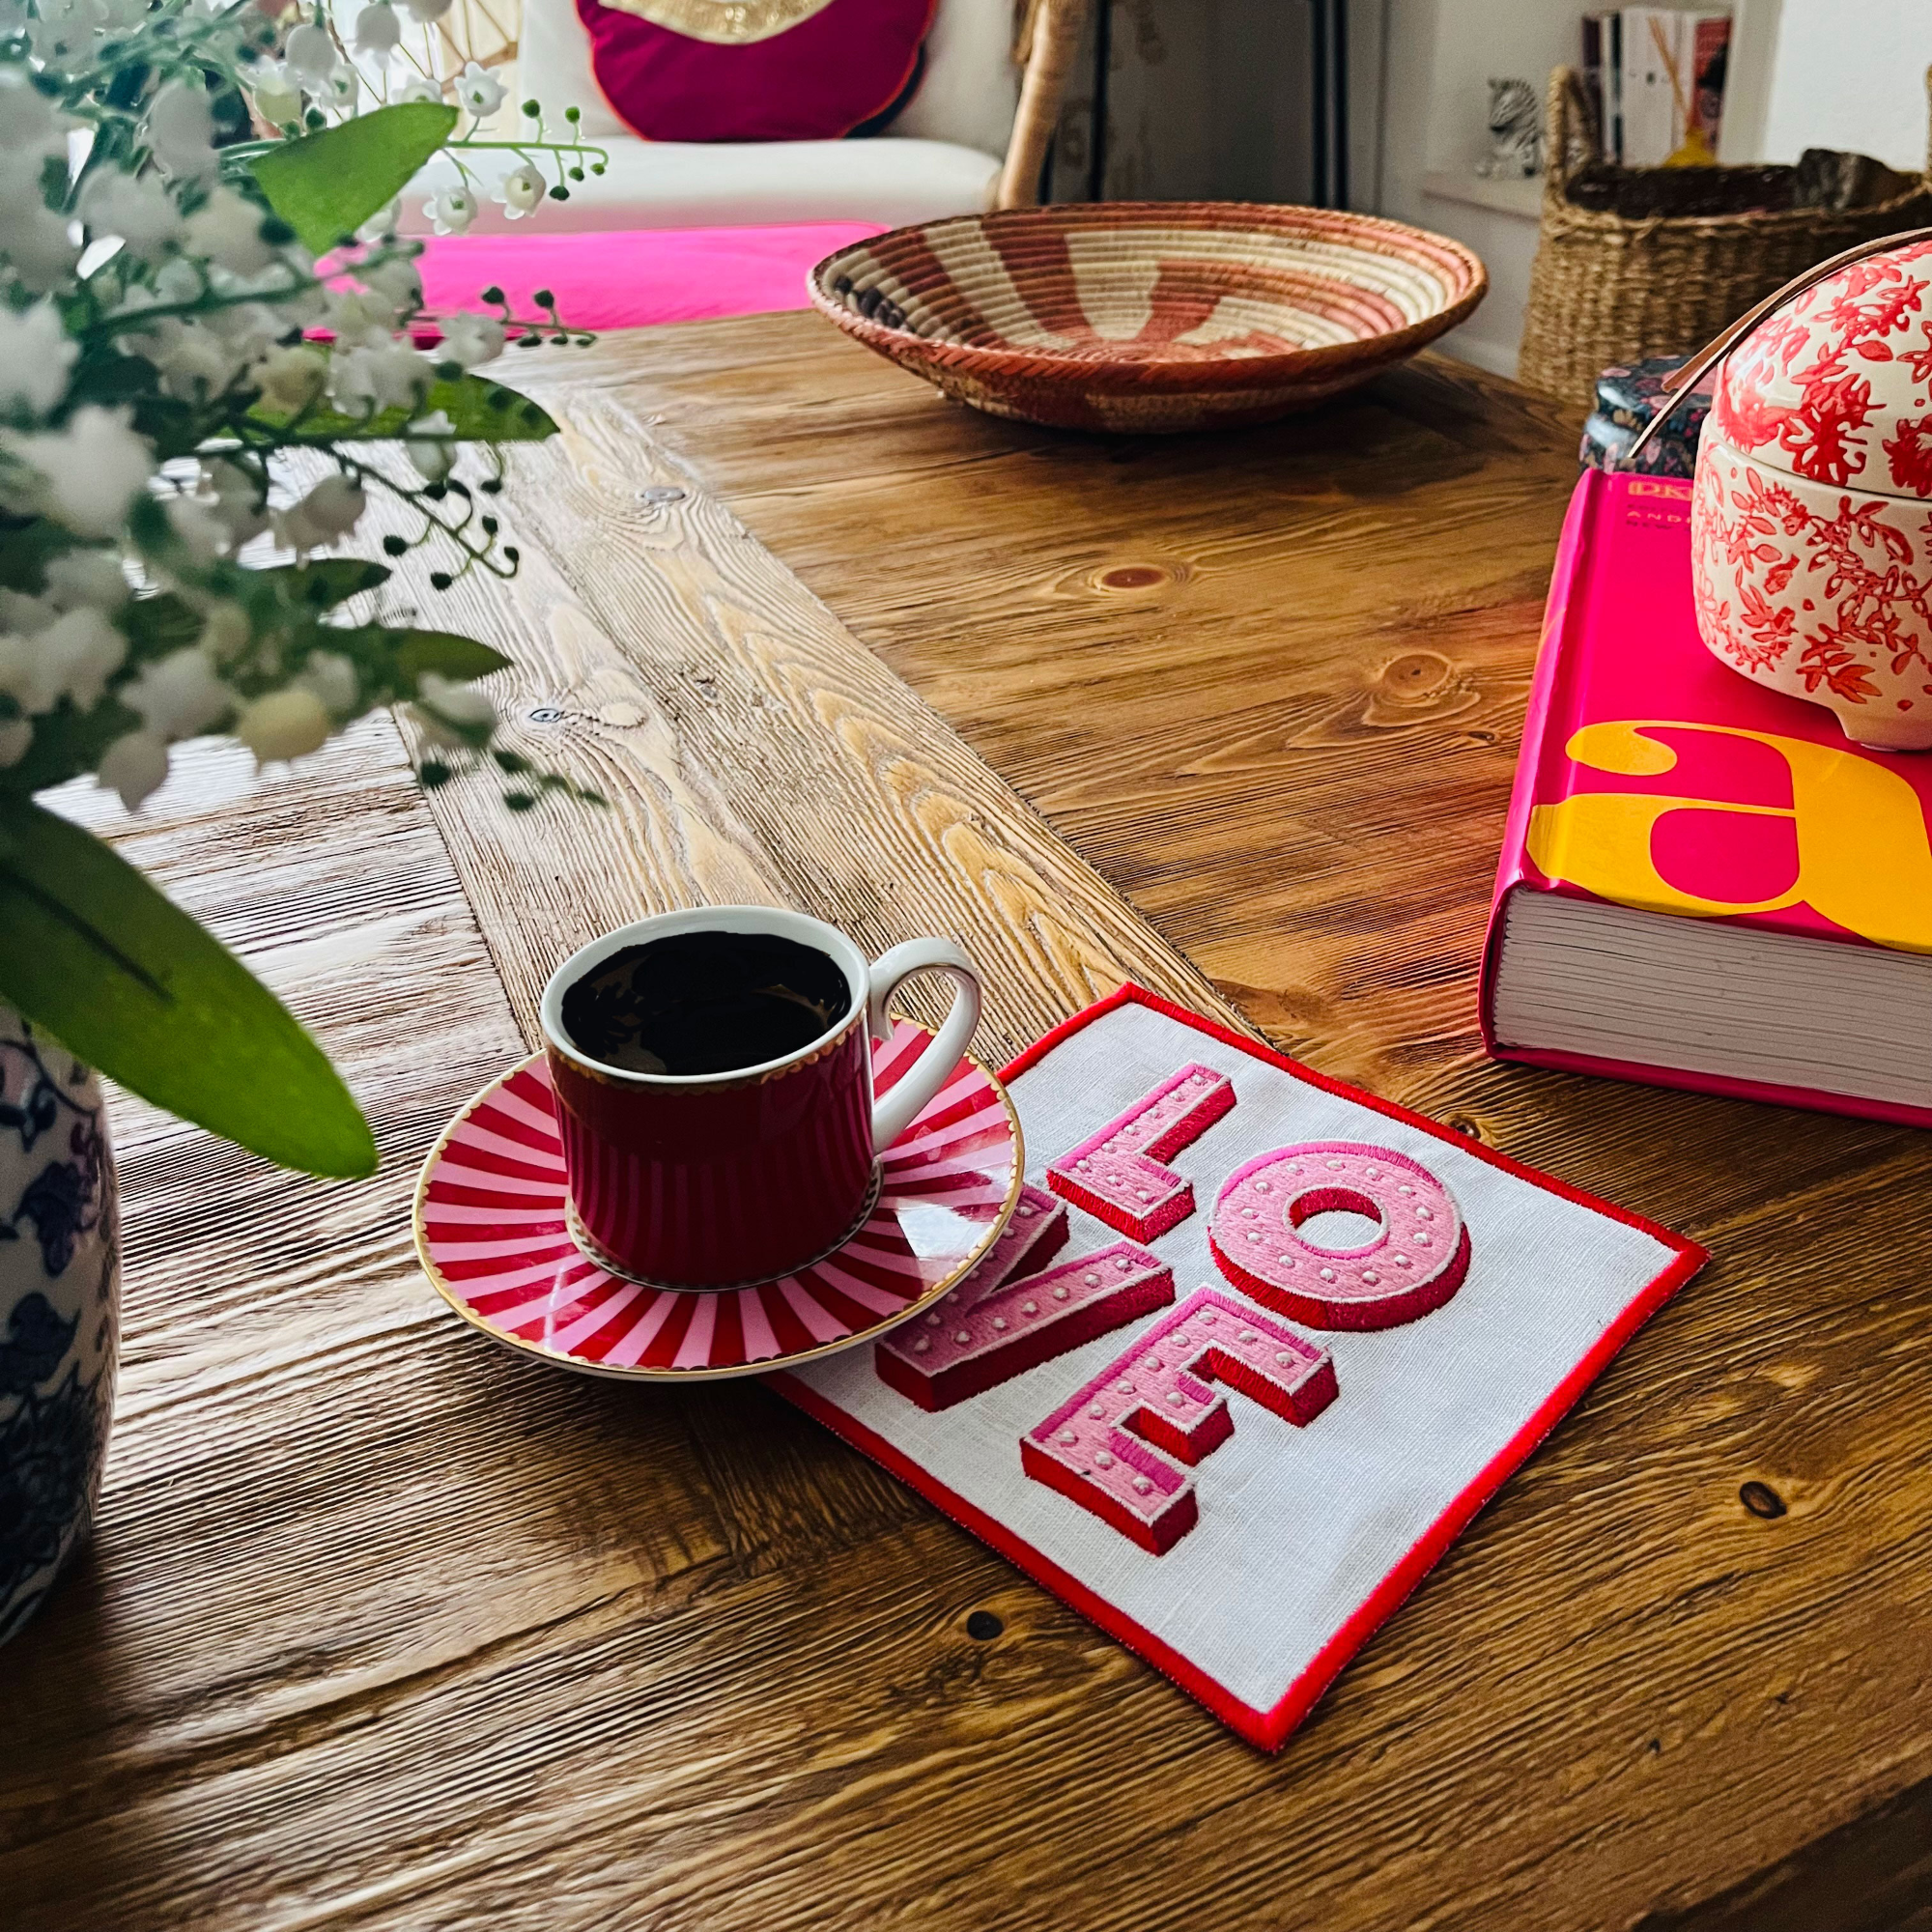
[{"x": 936, "y": 1065}]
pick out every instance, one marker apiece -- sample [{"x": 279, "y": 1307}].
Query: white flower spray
[{"x": 179, "y": 381}]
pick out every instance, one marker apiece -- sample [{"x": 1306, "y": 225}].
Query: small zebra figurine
[{"x": 1516, "y": 132}]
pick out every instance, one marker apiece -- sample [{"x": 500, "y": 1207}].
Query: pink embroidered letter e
[{"x": 1103, "y": 1448}]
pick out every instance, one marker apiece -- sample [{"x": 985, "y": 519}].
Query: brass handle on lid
[{"x": 1729, "y": 338}]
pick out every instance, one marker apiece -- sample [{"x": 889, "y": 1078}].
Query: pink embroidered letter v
[{"x": 999, "y": 1322}]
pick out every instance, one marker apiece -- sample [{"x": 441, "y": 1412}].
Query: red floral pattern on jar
[{"x": 1812, "y": 542}]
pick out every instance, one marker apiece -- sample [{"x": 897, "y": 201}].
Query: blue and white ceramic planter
[{"x": 59, "y": 1294}]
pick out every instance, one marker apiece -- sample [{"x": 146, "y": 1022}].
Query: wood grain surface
[{"x": 385, "y": 1628}]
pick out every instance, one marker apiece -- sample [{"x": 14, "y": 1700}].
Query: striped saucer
[
  {"x": 1149, "y": 315},
  {"x": 493, "y": 1235}
]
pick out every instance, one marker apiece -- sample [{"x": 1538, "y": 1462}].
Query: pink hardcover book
[{"x": 1703, "y": 884}]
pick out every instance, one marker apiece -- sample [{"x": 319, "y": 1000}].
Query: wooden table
[{"x": 384, "y": 1628}]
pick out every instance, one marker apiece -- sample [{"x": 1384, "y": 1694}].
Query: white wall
[
  {"x": 1805, "y": 74},
  {"x": 1441, "y": 56},
  {"x": 1850, "y": 74}
]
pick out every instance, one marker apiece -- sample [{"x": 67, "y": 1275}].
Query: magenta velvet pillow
[{"x": 755, "y": 70}]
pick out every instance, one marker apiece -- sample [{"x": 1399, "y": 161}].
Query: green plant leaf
[
  {"x": 447, "y": 655},
  {"x": 27, "y": 546},
  {"x": 324, "y": 581},
  {"x": 161, "y": 623},
  {"x": 327, "y": 185},
  {"x": 127, "y": 980},
  {"x": 66, "y": 743},
  {"x": 479, "y": 411}
]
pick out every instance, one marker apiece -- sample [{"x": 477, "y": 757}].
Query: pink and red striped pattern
[{"x": 491, "y": 1230}]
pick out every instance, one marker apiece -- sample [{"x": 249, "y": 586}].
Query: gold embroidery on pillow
[{"x": 725, "y": 24}]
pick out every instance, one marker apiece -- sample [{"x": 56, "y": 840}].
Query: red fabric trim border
[{"x": 1270, "y": 1729}]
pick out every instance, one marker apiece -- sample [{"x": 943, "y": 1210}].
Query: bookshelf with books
[{"x": 1655, "y": 77}]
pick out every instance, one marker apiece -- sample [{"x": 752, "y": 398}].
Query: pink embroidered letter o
[{"x": 1415, "y": 1263}]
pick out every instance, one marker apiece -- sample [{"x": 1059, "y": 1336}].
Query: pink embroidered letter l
[{"x": 1119, "y": 1175}]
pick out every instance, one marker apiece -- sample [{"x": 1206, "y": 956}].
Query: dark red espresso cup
[{"x": 720, "y": 1179}]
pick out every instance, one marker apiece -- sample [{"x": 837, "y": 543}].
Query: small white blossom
[
  {"x": 73, "y": 657},
  {"x": 332, "y": 678},
  {"x": 293, "y": 377},
  {"x": 470, "y": 340},
  {"x": 136, "y": 766},
  {"x": 63, "y": 36},
  {"x": 359, "y": 319},
  {"x": 177, "y": 695},
  {"x": 25, "y": 614},
  {"x": 396, "y": 282},
  {"x": 283, "y": 725},
  {"x": 90, "y": 577},
  {"x": 381, "y": 225},
  {"x": 276, "y": 93},
  {"x": 179, "y": 280},
  {"x": 452, "y": 714},
  {"x": 17, "y": 734},
  {"x": 378, "y": 31},
  {"x": 36, "y": 241},
  {"x": 229, "y": 481},
  {"x": 242, "y": 514},
  {"x": 520, "y": 191},
  {"x": 180, "y": 129},
  {"x": 420, "y": 90},
  {"x": 136, "y": 208},
  {"x": 90, "y": 471},
  {"x": 33, "y": 237},
  {"x": 335, "y": 505},
  {"x": 84, "y": 651},
  {"x": 366, "y": 379},
  {"x": 198, "y": 528},
  {"x": 35, "y": 353},
  {"x": 309, "y": 56},
  {"x": 451, "y": 209},
  {"x": 194, "y": 361},
  {"x": 248, "y": 328},
  {"x": 343, "y": 89},
  {"x": 432, "y": 445},
  {"x": 225, "y": 632},
  {"x": 478, "y": 91},
  {"x": 26, "y": 114},
  {"x": 228, "y": 231},
  {"x": 327, "y": 515}
]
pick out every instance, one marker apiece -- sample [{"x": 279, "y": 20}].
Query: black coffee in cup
[{"x": 705, "y": 1002}]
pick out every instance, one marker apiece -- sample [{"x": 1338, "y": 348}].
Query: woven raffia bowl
[{"x": 1149, "y": 315}]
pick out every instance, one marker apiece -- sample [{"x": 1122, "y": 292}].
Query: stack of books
[
  {"x": 1704, "y": 884},
  {"x": 1656, "y": 79}
]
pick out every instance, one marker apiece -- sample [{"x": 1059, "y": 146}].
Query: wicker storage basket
[{"x": 1609, "y": 288}]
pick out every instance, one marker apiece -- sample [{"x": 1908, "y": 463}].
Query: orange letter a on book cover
[{"x": 1864, "y": 860}]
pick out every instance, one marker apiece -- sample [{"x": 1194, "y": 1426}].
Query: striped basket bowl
[{"x": 1150, "y": 316}]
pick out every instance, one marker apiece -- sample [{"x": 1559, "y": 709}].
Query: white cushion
[
  {"x": 968, "y": 96},
  {"x": 972, "y": 88},
  {"x": 553, "y": 67},
  {"x": 730, "y": 184}
]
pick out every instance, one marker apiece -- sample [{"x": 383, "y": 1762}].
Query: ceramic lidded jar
[{"x": 1811, "y": 521}]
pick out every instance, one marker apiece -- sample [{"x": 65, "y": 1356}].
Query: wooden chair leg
[{"x": 1054, "y": 37}]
